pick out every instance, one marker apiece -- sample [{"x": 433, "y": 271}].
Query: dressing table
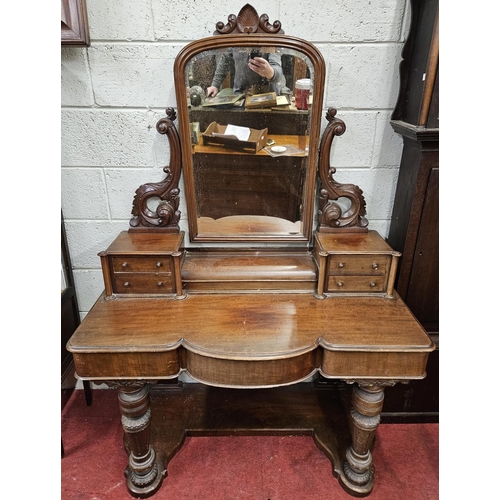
[{"x": 279, "y": 302}]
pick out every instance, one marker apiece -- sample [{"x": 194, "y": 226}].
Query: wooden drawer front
[
  {"x": 142, "y": 264},
  {"x": 143, "y": 283},
  {"x": 356, "y": 284},
  {"x": 370, "y": 265}
]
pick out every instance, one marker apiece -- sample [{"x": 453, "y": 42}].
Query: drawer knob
[
  {"x": 341, "y": 264},
  {"x": 160, "y": 283},
  {"x": 127, "y": 284},
  {"x": 158, "y": 264},
  {"x": 375, "y": 265},
  {"x": 340, "y": 283},
  {"x": 124, "y": 264},
  {"x": 372, "y": 284}
]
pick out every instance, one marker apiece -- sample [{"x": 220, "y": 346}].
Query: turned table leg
[
  {"x": 144, "y": 473},
  {"x": 367, "y": 401}
]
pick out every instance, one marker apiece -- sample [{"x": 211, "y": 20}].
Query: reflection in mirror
[{"x": 249, "y": 117}]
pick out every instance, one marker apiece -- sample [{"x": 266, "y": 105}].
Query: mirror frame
[{"x": 244, "y": 40}]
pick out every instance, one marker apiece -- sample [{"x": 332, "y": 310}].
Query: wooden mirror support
[
  {"x": 166, "y": 216},
  {"x": 280, "y": 338},
  {"x": 332, "y": 217}
]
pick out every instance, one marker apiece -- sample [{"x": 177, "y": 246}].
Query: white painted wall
[{"x": 114, "y": 92}]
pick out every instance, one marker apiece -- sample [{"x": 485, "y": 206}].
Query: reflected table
[
  {"x": 231, "y": 182},
  {"x": 287, "y": 121}
]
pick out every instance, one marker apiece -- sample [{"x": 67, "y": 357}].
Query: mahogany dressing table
[{"x": 288, "y": 329}]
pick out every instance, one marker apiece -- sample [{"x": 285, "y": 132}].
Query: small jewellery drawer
[
  {"x": 372, "y": 265},
  {"x": 141, "y": 264},
  {"x": 356, "y": 284},
  {"x": 143, "y": 283}
]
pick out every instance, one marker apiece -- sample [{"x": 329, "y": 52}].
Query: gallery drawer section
[
  {"x": 354, "y": 264},
  {"x": 143, "y": 264}
]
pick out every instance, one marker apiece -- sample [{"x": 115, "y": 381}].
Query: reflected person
[{"x": 253, "y": 70}]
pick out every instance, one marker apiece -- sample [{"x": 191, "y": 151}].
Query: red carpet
[{"x": 230, "y": 468}]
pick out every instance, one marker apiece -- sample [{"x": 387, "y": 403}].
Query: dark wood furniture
[
  {"x": 256, "y": 310},
  {"x": 70, "y": 315},
  {"x": 414, "y": 227}
]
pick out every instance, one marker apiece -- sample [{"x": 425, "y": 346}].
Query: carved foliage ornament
[
  {"x": 248, "y": 21},
  {"x": 331, "y": 215},
  {"x": 166, "y": 216}
]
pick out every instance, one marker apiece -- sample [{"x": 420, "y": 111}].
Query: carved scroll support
[
  {"x": 144, "y": 472},
  {"x": 166, "y": 216},
  {"x": 367, "y": 401},
  {"x": 332, "y": 216}
]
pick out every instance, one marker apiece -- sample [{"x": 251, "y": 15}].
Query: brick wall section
[{"x": 114, "y": 92}]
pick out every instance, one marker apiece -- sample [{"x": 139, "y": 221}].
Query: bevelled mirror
[{"x": 249, "y": 109}]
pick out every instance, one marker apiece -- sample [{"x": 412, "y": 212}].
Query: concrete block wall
[{"x": 115, "y": 91}]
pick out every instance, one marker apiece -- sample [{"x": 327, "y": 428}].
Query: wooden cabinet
[
  {"x": 263, "y": 308},
  {"x": 414, "y": 227},
  {"x": 70, "y": 318}
]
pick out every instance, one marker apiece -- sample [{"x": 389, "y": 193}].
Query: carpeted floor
[{"x": 231, "y": 468}]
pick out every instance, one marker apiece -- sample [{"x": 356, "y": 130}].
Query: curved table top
[{"x": 218, "y": 332}]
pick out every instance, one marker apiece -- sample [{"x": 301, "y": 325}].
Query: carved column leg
[
  {"x": 144, "y": 473},
  {"x": 367, "y": 401}
]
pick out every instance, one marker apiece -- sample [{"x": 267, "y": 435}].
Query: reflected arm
[{"x": 275, "y": 62}]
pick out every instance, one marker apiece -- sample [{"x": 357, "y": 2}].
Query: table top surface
[{"x": 250, "y": 325}]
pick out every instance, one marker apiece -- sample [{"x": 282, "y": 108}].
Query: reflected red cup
[{"x": 301, "y": 93}]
